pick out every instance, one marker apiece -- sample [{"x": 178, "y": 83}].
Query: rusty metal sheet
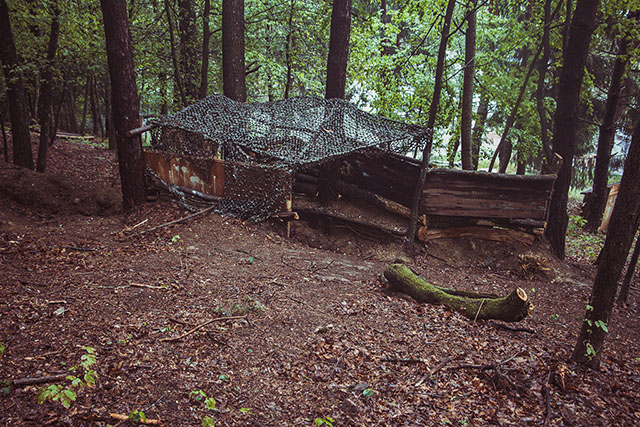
[{"x": 205, "y": 175}]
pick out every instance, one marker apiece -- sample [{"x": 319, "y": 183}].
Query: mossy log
[{"x": 511, "y": 308}]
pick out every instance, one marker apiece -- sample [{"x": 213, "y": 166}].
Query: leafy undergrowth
[
  {"x": 232, "y": 324},
  {"x": 582, "y": 247}
]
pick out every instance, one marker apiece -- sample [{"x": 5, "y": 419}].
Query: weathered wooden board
[{"x": 201, "y": 174}]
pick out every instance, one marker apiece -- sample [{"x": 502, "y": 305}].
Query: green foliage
[
  {"x": 137, "y": 417},
  {"x": 582, "y": 245},
  {"x": 2, "y": 349},
  {"x": 207, "y": 421},
  {"x": 175, "y": 238},
  {"x": 320, "y": 421},
  {"x": 246, "y": 411},
  {"x": 65, "y": 394},
  {"x": 209, "y": 403}
]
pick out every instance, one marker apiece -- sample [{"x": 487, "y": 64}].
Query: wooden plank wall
[{"x": 449, "y": 192}]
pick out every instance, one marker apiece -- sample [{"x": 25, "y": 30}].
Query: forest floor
[{"x": 313, "y": 333}]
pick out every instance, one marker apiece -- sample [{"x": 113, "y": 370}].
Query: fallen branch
[
  {"x": 142, "y": 285},
  {"x": 547, "y": 399},
  {"x": 166, "y": 224},
  {"x": 200, "y": 327},
  {"x": 440, "y": 365},
  {"x": 511, "y": 308},
  {"x": 148, "y": 421},
  {"x": 38, "y": 380},
  {"x": 510, "y": 328}
]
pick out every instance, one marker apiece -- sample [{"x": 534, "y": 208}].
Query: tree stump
[{"x": 477, "y": 306}]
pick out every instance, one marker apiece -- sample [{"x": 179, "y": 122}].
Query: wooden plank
[
  {"x": 205, "y": 175},
  {"x": 483, "y": 233}
]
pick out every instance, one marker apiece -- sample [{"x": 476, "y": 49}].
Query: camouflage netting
[{"x": 277, "y": 138}]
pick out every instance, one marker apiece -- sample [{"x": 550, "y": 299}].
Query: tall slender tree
[
  {"x": 622, "y": 227},
  {"x": 233, "y": 66},
  {"x": 467, "y": 87},
  {"x": 565, "y": 120},
  {"x": 188, "y": 49},
  {"x": 605, "y": 139},
  {"x": 206, "y": 42},
  {"x": 20, "y": 137},
  {"x": 125, "y": 103},
  {"x": 338, "y": 49},
  {"x": 431, "y": 121},
  {"x": 46, "y": 90}
]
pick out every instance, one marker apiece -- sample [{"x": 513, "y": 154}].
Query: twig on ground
[
  {"x": 511, "y": 328},
  {"x": 440, "y": 365},
  {"x": 166, "y": 224},
  {"x": 180, "y": 322},
  {"x": 21, "y": 382},
  {"x": 335, "y": 367},
  {"x": 479, "y": 308},
  {"x": 217, "y": 319},
  {"x": 547, "y": 399},
  {"x": 403, "y": 360},
  {"x": 79, "y": 249},
  {"x": 142, "y": 285}
]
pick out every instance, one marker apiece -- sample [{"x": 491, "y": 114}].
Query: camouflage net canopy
[{"x": 277, "y": 137}]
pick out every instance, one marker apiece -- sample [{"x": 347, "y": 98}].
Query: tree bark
[
  {"x": 46, "y": 90},
  {"x": 433, "y": 111},
  {"x": 289, "y": 44},
  {"x": 566, "y": 120},
  {"x": 467, "y": 88},
  {"x": 511, "y": 308},
  {"x": 338, "y": 49},
  {"x": 233, "y": 66},
  {"x": 20, "y": 136},
  {"x": 626, "y": 283},
  {"x": 478, "y": 129},
  {"x": 622, "y": 227},
  {"x": 174, "y": 56},
  {"x": 606, "y": 138},
  {"x": 540, "y": 89},
  {"x": 206, "y": 42},
  {"x": 188, "y": 49},
  {"x": 86, "y": 102},
  {"x": 125, "y": 102}
]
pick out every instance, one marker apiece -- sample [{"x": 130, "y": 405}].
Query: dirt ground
[{"x": 313, "y": 333}]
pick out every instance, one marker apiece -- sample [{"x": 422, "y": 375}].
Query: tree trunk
[
  {"x": 467, "y": 88},
  {"x": 338, "y": 49},
  {"x": 4, "y": 137},
  {"x": 188, "y": 49},
  {"x": 613, "y": 256},
  {"x": 46, "y": 90},
  {"x": 504, "y": 146},
  {"x": 20, "y": 137},
  {"x": 71, "y": 111},
  {"x": 540, "y": 89},
  {"x": 206, "y": 42},
  {"x": 125, "y": 102},
  {"x": 565, "y": 120},
  {"x": 86, "y": 102},
  {"x": 626, "y": 283},
  {"x": 478, "y": 130},
  {"x": 233, "y": 67},
  {"x": 511, "y": 308},
  {"x": 433, "y": 110},
  {"x": 174, "y": 56},
  {"x": 605, "y": 140},
  {"x": 289, "y": 45}
]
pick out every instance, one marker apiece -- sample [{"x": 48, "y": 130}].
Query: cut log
[
  {"x": 484, "y": 233},
  {"x": 511, "y": 308}
]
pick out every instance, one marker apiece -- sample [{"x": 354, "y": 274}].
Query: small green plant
[
  {"x": 2, "y": 349},
  {"x": 324, "y": 421},
  {"x": 209, "y": 402},
  {"x": 137, "y": 417},
  {"x": 555, "y": 316},
  {"x": 246, "y": 411},
  {"x": 367, "y": 393},
  {"x": 591, "y": 352},
  {"x": 65, "y": 394},
  {"x": 175, "y": 238}
]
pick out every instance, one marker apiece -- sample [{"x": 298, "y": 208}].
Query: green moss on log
[{"x": 511, "y": 308}]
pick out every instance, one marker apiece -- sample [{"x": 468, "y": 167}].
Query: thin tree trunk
[
  {"x": 188, "y": 49},
  {"x": 605, "y": 140},
  {"x": 521, "y": 161},
  {"x": 56, "y": 121},
  {"x": 566, "y": 120},
  {"x": 96, "y": 97},
  {"x": 71, "y": 100},
  {"x": 478, "y": 130},
  {"x": 626, "y": 283},
  {"x": 289, "y": 43},
  {"x": 20, "y": 136},
  {"x": 46, "y": 91},
  {"x": 125, "y": 101},
  {"x": 174, "y": 56},
  {"x": 86, "y": 102},
  {"x": 233, "y": 67},
  {"x": 338, "y": 49},
  {"x": 433, "y": 110},
  {"x": 4, "y": 137},
  {"x": 540, "y": 89},
  {"x": 206, "y": 42},
  {"x": 613, "y": 256},
  {"x": 504, "y": 160},
  {"x": 467, "y": 88},
  {"x": 110, "y": 124}
]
